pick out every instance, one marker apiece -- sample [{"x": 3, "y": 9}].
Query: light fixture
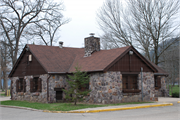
[{"x": 130, "y": 52}]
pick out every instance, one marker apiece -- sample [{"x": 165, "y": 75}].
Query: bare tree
[
  {"x": 144, "y": 24},
  {"x": 112, "y": 24},
  {"x": 171, "y": 62},
  {"x": 0, "y": 67},
  {"x": 4, "y": 65},
  {"x": 16, "y": 18},
  {"x": 47, "y": 29},
  {"x": 108, "y": 42}
]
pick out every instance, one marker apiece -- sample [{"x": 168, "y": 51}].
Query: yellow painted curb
[
  {"x": 178, "y": 102},
  {"x": 111, "y": 109}
]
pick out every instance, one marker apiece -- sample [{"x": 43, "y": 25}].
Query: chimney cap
[
  {"x": 60, "y": 44},
  {"x": 92, "y": 34}
]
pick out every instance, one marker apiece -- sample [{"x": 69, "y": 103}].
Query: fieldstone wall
[
  {"x": 56, "y": 81},
  {"x": 148, "y": 87},
  {"x": 29, "y": 96},
  {"x": 162, "y": 92},
  {"x": 107, "y": 88}
]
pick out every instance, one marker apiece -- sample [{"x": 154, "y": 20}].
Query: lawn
[
  {"x": 59, "y": 106},
  {"x": 3, "y": 94},
  {"x": 174, "y": 89}
]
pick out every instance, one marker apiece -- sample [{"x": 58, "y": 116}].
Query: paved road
[{"x": 157, "y": 113}]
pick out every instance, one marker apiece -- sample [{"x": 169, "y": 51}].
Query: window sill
[
  {"x": 131, "y": 91},
  {"x": 20, "y": 93},
  {"x": 157, "y": 88},
  {"x": 35, "y": 94}
]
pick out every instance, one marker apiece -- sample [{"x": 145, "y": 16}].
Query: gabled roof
[{"x": 56, "y": 60}]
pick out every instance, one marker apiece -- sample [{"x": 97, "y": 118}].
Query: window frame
[
  {"x": 157, "y": 82},
  {"x": 35, "y": 84},
  {"x": 21, "y": 85},
  {"x": 130, "y": 83}
]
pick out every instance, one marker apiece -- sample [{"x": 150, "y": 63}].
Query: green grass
[
  {"x": 3, "y": 94},
  {"x": 174, "y": 89},
  {"x": 58, "y": 106}
]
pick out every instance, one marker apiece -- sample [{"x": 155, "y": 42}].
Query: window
[
  {"x": 157, "y": 82},
  {"x": 130, "y": 84},
  {"x": 35, "y": 84},
  {"x": 85, "y": 87},
  {"x": 20, "y": 85}
]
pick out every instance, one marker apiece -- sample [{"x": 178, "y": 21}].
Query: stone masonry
[
  {"x": 105, "y": 88},
  {"x": 162, "y": 92},
  {"x": 55, "y": 81},
  {"x": 29, "y": 96}
]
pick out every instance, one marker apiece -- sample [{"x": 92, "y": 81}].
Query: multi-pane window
[
  {"x": 130, "y": 83},
  {"x": 20, "y": 85},
  {"x": 35, "y": 84},
  {"x": 157, "y": 82}
]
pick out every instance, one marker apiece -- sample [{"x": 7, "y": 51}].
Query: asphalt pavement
[{"x": 155, "y": 113}]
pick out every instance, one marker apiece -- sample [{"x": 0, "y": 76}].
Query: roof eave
[
  {"x": 74, "y": 71},
  {"x": 161, "y": 74}
]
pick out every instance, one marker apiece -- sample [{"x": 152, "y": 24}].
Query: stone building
[{"x": 40, "y": 73}]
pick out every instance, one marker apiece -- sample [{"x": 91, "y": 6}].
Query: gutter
[
  {"x": 48, "y": 88},
  {"x": 72, "y": 72},
  {"x": 161, "y": 74},
  {"x": 56, "y": 72},
  {"x": 11, "y": 90}
]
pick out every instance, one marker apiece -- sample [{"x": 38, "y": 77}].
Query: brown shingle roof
[
  {"x": 55, "y": 59},
  {"x": 64, "y": 60},
  {"x": 98, "y": 61}
]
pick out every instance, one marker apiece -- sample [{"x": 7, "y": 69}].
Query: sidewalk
[
  {"x": 3, "y": 98},
  {"x": 168, "y": 99}
]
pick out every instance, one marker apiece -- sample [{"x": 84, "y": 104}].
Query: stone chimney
[{"x": 92, "y": 44}]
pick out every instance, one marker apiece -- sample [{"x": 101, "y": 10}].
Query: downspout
[
  {"x": 48, "y": 88},
  {"x": 11, "y": 90}
]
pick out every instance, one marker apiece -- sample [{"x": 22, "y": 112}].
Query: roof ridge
[{"x": 53, "y": 46}]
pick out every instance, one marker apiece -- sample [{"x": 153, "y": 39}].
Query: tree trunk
[
  {"x": 75, "y": 102},
  {"x": 5, "y": 82},
  {"x": 171, "y": 89},
  {"x": 0, "y": 77},
  {"x": 0, "y": 69}
]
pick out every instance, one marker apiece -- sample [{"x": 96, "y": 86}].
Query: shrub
[{"x": 175, "y": 94}]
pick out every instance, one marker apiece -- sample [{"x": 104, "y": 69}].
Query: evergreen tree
[{"x": 77, "y": 86}]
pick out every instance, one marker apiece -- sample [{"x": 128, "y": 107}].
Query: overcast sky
[{"x": 83, "y": 21}]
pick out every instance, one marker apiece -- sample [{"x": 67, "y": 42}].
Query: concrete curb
[
  {"x": 178, "y": 102},
  {"x": 92, "y": 111},
  {"x": 111, "y": 109}
]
